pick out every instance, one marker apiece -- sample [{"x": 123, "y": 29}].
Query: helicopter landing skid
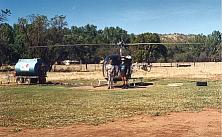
[
  {"x": 100, "y": 83},
  {"x": 135, "y": 81}
]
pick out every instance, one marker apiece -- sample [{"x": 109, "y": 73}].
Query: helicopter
[{"x": 118, "y": 58}]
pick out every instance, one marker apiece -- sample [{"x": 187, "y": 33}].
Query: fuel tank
[{"x": 31, "y": 67}]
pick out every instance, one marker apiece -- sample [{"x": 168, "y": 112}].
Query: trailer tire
[
  {"x": 28, "y": 81},
  {"x": 19, "y": 80}
]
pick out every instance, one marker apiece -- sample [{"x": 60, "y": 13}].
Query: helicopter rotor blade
[
  {"x": 73, "y": 45},
  {"x": 136, "y": 44},
  {"x": 123, "y": 44}
]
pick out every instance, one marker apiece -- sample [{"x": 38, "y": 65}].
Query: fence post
[
  {"x": 86, "y": 67},
  {"x": 80, "y": 65}
]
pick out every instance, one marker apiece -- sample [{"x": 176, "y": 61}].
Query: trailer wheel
[
  {"x": 27, "y": 81},
  {"x": 19, "y": 80}
]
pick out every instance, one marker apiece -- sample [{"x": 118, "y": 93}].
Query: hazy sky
[{"x": 135, "y": 16}]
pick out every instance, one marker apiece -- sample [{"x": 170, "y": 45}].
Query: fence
[{"x": 77, "y": 67}]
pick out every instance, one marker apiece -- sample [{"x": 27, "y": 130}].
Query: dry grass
[{"x": 209, "y": 70}]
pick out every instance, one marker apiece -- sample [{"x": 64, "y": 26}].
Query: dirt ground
[{"x": 206, "y": 123}]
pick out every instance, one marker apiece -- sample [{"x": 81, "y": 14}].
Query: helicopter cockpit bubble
[{"x": 116, "y": 61}]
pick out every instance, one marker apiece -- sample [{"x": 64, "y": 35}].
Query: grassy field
[{"x": 38, "y": 106}]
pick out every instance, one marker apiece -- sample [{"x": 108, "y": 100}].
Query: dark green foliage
[
  {"x": 149, "y": 53},
  {"x": 210, "y": 50},
  {"x": 6, "y": 39}
]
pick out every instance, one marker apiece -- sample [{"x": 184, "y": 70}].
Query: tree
[
  {"x": 56, "y": 31},
  {"x": 213, "y": 43},
  {"x": 31, "y": 32},
  {"x": 154, "y": 51},
  {"x": 4, "y": 14},
  {"x": 34, "y": 27},
  {"x": 6, "y": 38},
  {"x": 4, "y": 35},
  {"x": 115, "y": 35}
]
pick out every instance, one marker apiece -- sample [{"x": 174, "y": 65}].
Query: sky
[{"x": 134, "y": 16}]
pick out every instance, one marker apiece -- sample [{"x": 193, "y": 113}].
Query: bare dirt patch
[{"x": 183, "y": 124}]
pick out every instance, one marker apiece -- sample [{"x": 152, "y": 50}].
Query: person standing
[
  {"x": 123, "y": 72},
  {"x": 110, "y": 73}
]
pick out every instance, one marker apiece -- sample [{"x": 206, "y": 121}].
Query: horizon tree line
[{"x": 17, "y": 41}]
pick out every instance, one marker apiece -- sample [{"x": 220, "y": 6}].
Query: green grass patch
[{"x": 38, "y": 106}]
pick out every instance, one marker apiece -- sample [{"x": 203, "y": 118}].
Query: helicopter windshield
[{"x": 116, "y": 59}]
